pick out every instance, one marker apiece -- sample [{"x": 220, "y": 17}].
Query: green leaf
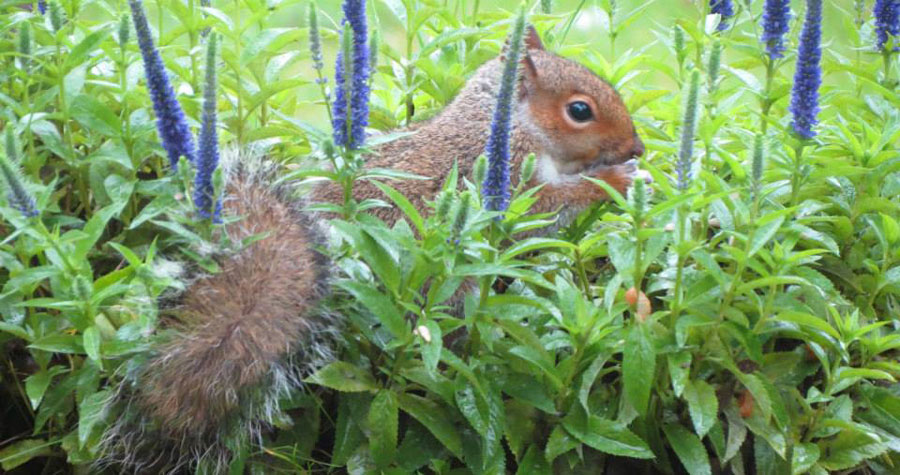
[
  {"x": 347, "y": 435},
  {"x": 526, "y": 388},
  {"x": 383, "y": 422},
  {"x": 638, "y": 367},
  {"x": 91, "y": 340},
  {"x": 805, "y": 456},
  {"x": 737, "y": 434},
  {"x": 404, "y": 204},
  {"x": 810, "y": 321},
  {"x": 702, "y": 404},
  {"x": 269, "y": 40},
  {"x": 539, "y": 360},
  {"x": 533, "y": 463},
  {"x": 468, "y": 404},
  {"x": 534, "y": 244},
  {"x": 435, "y": 418},
  {"x": 606, "y": 436},
  {"x": 431, "y": 350},
  {"x": 59, "y": 343},
  {"x": 380, "y": 305},
  {"x": 559, "y": 443},
  {"x": 521, "y": 423},
  {"x": 679, "y": 370},
  {"x": 848, "y": 449},
  {"x": 87, "y": 46},
  {"x": 689, "y": 449},
  {"x": 36, "y": 384},
  {"x": 90, "y": 412},
  {"x": 345, "y": 377},
  {"x": 22, "y": 451},
  {"x": 95, "y": 116}
]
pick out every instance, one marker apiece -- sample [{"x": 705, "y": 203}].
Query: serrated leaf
[
  {"x": 435, "y": 418},
  {"x": 380, "y": 305},
  {"x": 848, "y": 449},
  {"x": 90, "y": 412},
  {"x": 638, "y": 367},
  {"x": 606, "y": 436},
  {"x": 764, "y": 234},
  {"x": 383, "y": 422},
  {"x": 805, "y": 456},
  {"x": 703, "y": 405},
  {"x": 689, "y": 449}
]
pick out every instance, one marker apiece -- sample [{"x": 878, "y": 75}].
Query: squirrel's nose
[{"x": 637, "y": 148}]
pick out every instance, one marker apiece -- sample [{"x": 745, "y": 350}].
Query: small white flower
[{"x": 423, "y": 332}]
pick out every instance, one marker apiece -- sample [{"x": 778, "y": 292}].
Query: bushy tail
[{"x": 249, "y": 333}]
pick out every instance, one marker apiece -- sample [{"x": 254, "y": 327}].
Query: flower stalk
[
  {"x": 808, "y": 76},
  {"x": 688, "y": 129},
  {"x": 351, "y": 104},
  {"x": 315, "y": 49},
  {"x": 805, "y": 93},
  {"x": 171, "y": 123},
  {"x": 495, "y": 189},
  {"x": 205, "y": 199},
  {"x": 17, "y": 194},
  {"x": 887, "y": 32}
]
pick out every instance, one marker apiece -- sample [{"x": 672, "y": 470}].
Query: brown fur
[
  {"x": 242, "y": 320},
  {"x": 459, "y": 134},
  {"x": 245, "y": 336}
]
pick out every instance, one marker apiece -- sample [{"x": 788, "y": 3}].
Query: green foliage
[{"x": 765, "y": 332}]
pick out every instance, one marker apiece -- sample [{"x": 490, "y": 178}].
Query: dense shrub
[{"x": 739, "y": 314}]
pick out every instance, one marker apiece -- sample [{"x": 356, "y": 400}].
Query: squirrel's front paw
[{"x": 630, "y": 169}]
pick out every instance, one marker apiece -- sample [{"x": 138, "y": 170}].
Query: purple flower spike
[
  {"x": 355, "y": 16},
  {"x": 724, "y": 8},
  {"x": 776, "y": 18},
  {"x": 887, "y": 21},
  {"x": 495, "y": 188},
  {"x": 208, "y": 154},
  {"x": 808, "y": 76},
  {"x": 174, "y": 132}
]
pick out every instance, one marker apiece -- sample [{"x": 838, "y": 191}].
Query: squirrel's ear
[
  {"x": 532, "y": 40},
  {"x": 529, "y": 78}
]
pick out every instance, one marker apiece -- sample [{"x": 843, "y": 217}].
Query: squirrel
[
  {"x": 252, "y": 330},
  {"x": 571, "y": 119}
]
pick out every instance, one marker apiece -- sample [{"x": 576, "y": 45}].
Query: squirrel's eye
[{"x": 579, "y": 111}]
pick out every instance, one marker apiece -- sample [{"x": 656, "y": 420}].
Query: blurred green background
[{"x": 650, "y": 31}]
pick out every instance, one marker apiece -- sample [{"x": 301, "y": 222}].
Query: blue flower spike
[
  {"x": 208, "y": 205},
  {"x": 808, "y": 75},
  {"x": 776, "y": 23},
  {"x": 495, "y": 188},
  {"x": 171, "y": 123},
  {"x": 352, "y": 105}
]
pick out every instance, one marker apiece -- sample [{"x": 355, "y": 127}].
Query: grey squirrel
[{"x": 251, "y": 330}]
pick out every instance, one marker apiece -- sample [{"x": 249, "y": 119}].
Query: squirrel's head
[{"x": 579, "y": 116}]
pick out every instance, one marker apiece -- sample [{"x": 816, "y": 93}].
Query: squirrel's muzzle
[{"x": 637, "y": 147}]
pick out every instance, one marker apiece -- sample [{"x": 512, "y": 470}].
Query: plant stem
[
  {"x": 681, "y": 237},
  {"x": 795, "y": 176}
]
